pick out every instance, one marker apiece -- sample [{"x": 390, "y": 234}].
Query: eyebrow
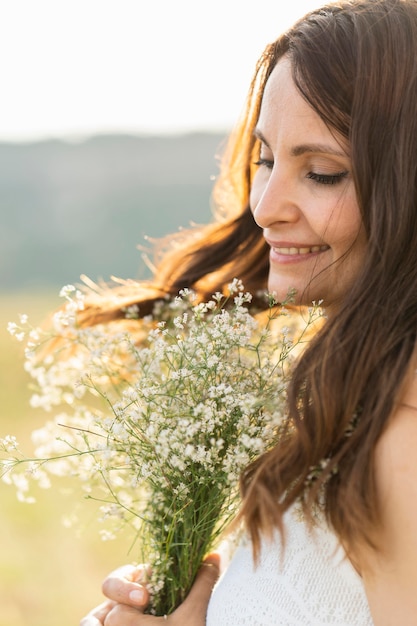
[{"x": 304, "y": 148}]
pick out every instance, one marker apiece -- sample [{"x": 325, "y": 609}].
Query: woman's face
[{"x": 303, "y": 197}]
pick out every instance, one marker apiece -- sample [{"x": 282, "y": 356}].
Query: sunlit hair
[{"x": 356, "y": 65}]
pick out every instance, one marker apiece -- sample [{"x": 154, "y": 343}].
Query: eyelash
[
  {"x": 327, "y": 179},
  {"x": 265, "y": 163},
  {"x": 321, "y": 179}
]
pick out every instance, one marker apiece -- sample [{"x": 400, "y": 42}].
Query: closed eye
[
  {"x": 327, "y": 179},
  {"x": 265, "y": 163}
]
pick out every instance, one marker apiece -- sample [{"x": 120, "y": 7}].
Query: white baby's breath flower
[
  {"x": 9, "y": 443},
  {"x": 131, "y": 312},
  {"x": 107, "y": 535},
  {"x": 67, "y": 291},
  {"x": 235, "y": 286},
  {"x": 158, "y": 434},
  {"x": 22, "y": 497},
  {"x": 12, "y": 328}
]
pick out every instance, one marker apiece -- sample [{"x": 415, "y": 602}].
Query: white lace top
[{"x": 314, "y": 585}]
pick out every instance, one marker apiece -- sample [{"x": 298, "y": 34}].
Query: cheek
[
  {"x": 359, "y": 246},
  {"x": 253, "y": 198},
  {"x": 345, "y": 226}
]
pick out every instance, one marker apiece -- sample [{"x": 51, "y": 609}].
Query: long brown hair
[
  {"x": 355, "y": 62},
  {"x": 356, "y": 65}
]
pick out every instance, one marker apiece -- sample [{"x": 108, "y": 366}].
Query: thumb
[{"x": 195, "y": 605}]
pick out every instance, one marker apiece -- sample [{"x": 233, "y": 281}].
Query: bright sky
[{"x": 78, "y": 67}]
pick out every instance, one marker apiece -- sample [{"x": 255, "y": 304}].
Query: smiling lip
[
  {"x": 295, "y": 251},
  {"x": 292, "y": 252}
]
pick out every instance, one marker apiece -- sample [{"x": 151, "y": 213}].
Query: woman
[{"x": 326, "y": 158}]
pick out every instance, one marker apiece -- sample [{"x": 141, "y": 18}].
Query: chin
[
  {"x": 285, "y": 295},
  {"x": 299, "y": 296}
]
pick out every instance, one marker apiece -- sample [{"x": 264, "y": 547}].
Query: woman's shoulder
[
  {"x": 396, "y": 450},
  {"x": 396, "y": 458},
  {"x": 391, "y": 571}
]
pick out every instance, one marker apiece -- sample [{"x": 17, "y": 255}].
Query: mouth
[{"x": 293, "y": 251}]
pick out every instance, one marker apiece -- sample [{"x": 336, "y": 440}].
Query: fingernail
[{"x": 137, "y": 595}]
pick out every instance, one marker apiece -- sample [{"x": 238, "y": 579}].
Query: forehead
[
  {"x": 280, "y": 87},
  {"x": 285, "y": 110}
]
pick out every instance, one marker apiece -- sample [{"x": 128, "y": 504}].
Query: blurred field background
[
  {"x": 67, "y": 209},
  {"x": 49, "y": 574}
]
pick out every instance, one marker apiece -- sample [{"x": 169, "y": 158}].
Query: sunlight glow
[{"x": 78, "y": 67}]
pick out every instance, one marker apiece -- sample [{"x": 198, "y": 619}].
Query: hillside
[{"x": 73, "y": 208}]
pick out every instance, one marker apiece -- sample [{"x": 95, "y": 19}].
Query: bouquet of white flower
[{"x": 159, "y": 431}]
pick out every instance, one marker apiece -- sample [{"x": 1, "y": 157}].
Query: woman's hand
[
  {"x": 128, "y": 597},
  {"x": 122, "y": 586}
]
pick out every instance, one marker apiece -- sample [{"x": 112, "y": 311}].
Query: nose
[{"x": 273, "y": 199}]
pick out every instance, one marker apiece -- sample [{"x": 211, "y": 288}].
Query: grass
[{"x": 49, "y": 574}]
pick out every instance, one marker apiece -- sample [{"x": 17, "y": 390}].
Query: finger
[
  {"x": 89, "y": 620},
  {"x": 206, "y": 579},
  {"x": 123, "y": 615},
  {"x": 196, "y": 603},
  {"x": 97, "y": 616},
  {"x": 131, "y": 572},
  {"x": 122, "y": 586}
]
